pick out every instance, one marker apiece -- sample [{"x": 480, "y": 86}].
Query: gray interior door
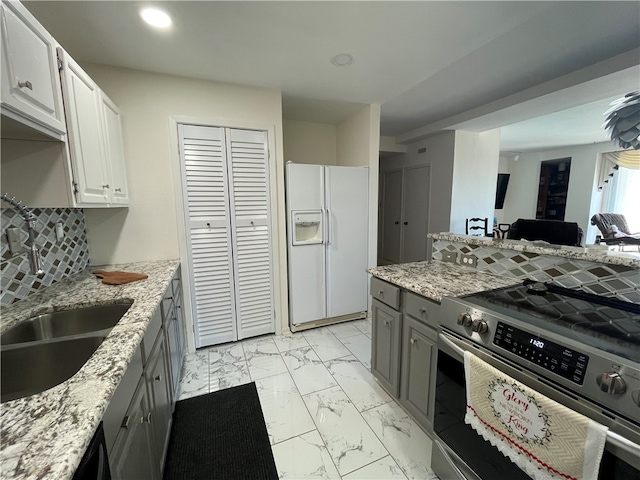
[
  {"x": 391, "y": 215},
  {"x": 415, "y": 218}
]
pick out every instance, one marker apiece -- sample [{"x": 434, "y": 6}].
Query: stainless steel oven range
[{"x": 579, "y": 349}]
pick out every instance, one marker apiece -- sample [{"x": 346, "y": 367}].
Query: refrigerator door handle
[{"x": 328, "y": 226}]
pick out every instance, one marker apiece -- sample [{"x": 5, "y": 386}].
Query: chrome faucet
[{"x": 35, "y": 260}]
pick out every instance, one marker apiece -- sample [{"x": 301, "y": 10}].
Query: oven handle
[{"x": 616, "y": 440}]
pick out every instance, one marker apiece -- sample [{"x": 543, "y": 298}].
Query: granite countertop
[
  {"x": 45, "y": 435},
  {"x": 612, "y": 257},
  {"x": 437, "y": 279}
]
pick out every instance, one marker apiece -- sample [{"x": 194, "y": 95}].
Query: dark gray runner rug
[{"x": 221, "y": 435}]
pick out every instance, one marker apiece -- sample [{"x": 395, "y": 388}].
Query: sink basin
[
  {"x": 33, "y": 368},
  {"x": 65, "y": 323}
]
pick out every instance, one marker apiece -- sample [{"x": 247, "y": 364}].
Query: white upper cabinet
[
  {"x": 31, "y": 91},
  {"x": 94, "y": 138},
  {"x": 114, "y": 150}
]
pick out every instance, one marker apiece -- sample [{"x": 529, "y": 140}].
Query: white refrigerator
[{"x": 327, "y": 232}]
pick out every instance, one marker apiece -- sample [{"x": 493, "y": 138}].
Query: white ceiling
[{"x": 425, "y": 62}]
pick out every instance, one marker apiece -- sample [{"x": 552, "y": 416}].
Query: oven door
[{"x": 459, "y": 452}]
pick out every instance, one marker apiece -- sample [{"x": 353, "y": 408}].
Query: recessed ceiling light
[
  {"x": 343, "y": 59},
  {"x": 155, "y": 17}
]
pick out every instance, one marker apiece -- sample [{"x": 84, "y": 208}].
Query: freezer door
[
  {"x": 347, "y": 224},
  {"x": 307, "y": 282}
]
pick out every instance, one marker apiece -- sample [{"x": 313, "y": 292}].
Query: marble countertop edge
[
  {"x": 45, "y": 435},
  {"x": 436, "y": 279}
]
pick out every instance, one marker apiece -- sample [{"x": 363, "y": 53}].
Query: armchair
[{"x": 614, "y": 228}]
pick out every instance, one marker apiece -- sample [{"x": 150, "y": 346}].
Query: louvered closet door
[
  {"x": 250, "y": 218},
  {"x": 207, "y": 213}
]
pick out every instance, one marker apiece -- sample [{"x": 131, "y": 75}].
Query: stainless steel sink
[
  {"x": 32, "y": 368},
  {"x": 65, "y": 323}
]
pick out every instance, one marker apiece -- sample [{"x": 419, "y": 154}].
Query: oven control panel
[{"x": 555, "y": 358}]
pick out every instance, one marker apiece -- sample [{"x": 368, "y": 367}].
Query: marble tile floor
[{"x": 326, "y": 415}]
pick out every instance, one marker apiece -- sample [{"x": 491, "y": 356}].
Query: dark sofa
[{"x": 555, "y": 232}]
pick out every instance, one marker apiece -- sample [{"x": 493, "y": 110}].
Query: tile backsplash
[
  {"x": 61, "y": 258},
  {"x": 602, "y": 279}
]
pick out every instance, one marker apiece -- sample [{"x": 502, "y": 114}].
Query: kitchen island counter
[
  {"x": 45, "y": 435},
  {"x": 437, "y": 279}
]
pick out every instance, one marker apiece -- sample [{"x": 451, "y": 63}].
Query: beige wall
[
  {"x": 359, "y": 146},
  {"x": 439, "y": 153},
  {"x": 148, "y": 229},
  {"x": 475, "y": 174},
  {"x": 308, "y": 142}
]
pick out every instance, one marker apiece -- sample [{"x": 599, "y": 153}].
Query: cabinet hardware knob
[
  {"x": 381, "y": 293},
  {"x": 117, "y": 189},
  {"x": 27, "y": 84},
  {"x": 423, "y": 311},
  {"x": 125, "y": 422},
  {"x": 406, "y": 223},
  {"x": 158, "y": 378},
  {"x": 386, "y": 322},
  {"x": 105, "y": 186},
  {"x": 412, "y": 341},
  {"x": 252, "y": 223},
  {"x": 396, "y": 223},
  {"x": 146, "y": 418},
  {"x": 168, "y": 298}
]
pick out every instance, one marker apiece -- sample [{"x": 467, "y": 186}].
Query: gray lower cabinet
[
  {"x": 404, "y": 348},
  {"x": 133, "y": 453},
  {"x": 419, "y": 356},
  {"x": 138, "y": 419},
  {"x": 386, "y": 324},
  {"x": 159, "y": 389},
  {"x": 174, "y": 329}
]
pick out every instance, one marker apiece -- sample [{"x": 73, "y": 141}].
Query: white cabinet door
[
  {"x": 31, "y": 90},
  {"x": 85, "y": 125},
  {"x": 114, "y": 150},
  {"x": 251, "y": 227},
  {"x": 204, "y": 166},
  {"x": 227, "y": 212}
]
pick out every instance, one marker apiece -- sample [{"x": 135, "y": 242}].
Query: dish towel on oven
[{"x": 544, "y": 438}]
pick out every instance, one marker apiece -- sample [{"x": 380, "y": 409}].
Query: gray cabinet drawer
[
  {"x": 421, "y": 308},
  {"x": 385, "y": 292}
]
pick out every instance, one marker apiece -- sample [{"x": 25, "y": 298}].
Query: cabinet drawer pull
[
  {"x": 27, "y": 84},
  {"x": 412, "y": 341},
  {"x": 158, "y": 378},
  {"x": 105, "y": 186},
  {"x": 146, "y": 418},
  {"x": 125, "y": 422},
  {"x": 117, "y": 189}
]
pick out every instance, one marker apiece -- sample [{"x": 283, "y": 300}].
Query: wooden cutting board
[{"x": 118, "y": 277}]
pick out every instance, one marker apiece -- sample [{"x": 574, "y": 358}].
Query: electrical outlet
[
  {"x": 449, "y": 256},
  {"x": 469, "y": 260}
]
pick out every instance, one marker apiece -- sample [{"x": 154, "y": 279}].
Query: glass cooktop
[{"x": 605, "y": 323}]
